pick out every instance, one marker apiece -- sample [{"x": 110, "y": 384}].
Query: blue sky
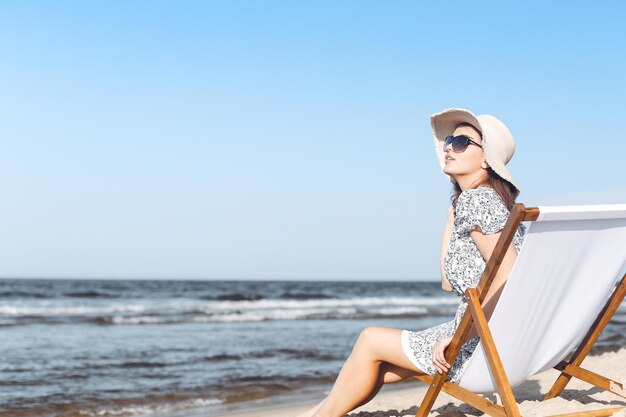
[{"x": 285, "y": 140}]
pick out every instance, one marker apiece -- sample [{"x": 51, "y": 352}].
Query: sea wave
[
  {"x": 255, "y": 316},
  {"x": 336, "y": 302},
  {"x": 148, "y": 409},
  {"x": 176, "y": 311}
]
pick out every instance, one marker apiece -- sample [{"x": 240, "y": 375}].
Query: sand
[{"x": 404, "y": 402}]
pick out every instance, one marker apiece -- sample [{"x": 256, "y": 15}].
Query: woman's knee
[
  {"x": 367, "y": 333},
  {"x": 382, "y": 343},
  {"x": 367, "y": 337}
]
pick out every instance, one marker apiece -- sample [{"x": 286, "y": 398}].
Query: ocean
[{"x": 196, "y": 348}]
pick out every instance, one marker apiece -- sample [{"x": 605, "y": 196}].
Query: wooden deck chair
[{"x": 566, "y": 283}]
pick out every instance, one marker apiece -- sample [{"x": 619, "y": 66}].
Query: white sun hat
[{"x": 497, "y": 140}]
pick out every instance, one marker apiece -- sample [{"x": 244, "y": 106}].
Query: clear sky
[{"x": 285, "y": 140}]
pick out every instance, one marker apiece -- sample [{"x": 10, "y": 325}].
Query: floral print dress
[{"x": 463, "y": 265}]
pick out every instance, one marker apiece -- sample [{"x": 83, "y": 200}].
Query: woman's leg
[
  {"x": 388, "y": 375},
  {"x": 359, "y": 379}
]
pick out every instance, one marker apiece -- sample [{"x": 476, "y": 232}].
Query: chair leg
[
  {"x": 600, "y": 381},
  {"x": 468, "y": 397},
  {"x": 493, "y": 358},
  {"x": 558, "y": 386},
  {"x": 436, "y": 384}
]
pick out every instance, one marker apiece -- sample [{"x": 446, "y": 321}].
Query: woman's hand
[{"x": 438, "y": 355}]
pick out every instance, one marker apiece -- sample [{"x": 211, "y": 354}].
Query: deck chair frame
[{"x": 474, "y": 314}]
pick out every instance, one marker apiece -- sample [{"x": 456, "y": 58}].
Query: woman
[{"x": 473, "y": 152}]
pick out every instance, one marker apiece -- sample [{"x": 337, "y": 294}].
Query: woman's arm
[
  {"x": 486, "y": 245},
  {"x": 445, "y": 242}
]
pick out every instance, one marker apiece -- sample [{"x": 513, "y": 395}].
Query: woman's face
[{"x": 469, "y": 165}]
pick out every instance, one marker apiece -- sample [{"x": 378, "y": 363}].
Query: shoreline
[{"x": 403, "y": 400}]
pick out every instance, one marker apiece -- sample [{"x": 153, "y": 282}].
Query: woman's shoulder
[
  {"x": 480, "y": 195},
  {"x": 483, "y": 207}
]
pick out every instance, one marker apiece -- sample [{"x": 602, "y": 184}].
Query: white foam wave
[
  {"x": 400, "y": 310},
  {"x": 46, "y": 308},
  {"x": 152, "y": 409},
  {"x": 174, "y": 311},
  {"x": 270, "y": 308},
  {"x": 312, "y": 314},
  {"x": 360, "y": 301},
  {"x": 277, "y": 314},
  {"x": 68, "y": 310}
]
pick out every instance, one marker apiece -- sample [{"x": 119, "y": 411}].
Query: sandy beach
[{"x": 404, "y": 402}]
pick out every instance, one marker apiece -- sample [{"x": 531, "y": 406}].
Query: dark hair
[{"x": 507, "y": 191}]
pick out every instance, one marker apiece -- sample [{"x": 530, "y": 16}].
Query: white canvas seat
[{"x": 555, "y": 303}]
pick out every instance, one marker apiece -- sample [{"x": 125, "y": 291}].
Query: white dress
[{"x": 463, "y": 267}]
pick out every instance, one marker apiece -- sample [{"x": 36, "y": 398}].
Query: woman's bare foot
[{"x": 312, "y": 411}]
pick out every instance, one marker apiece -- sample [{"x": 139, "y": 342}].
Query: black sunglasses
[{"x": 459, "y": 143}]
